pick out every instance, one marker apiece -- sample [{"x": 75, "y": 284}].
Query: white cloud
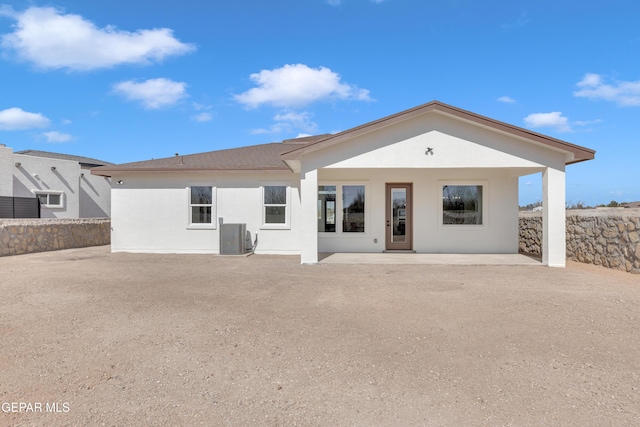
[
  {"x": 301, "y": 121},
  {"x": 152, "y": 93},
  {"x": 289, "y": 121},
  {"x": 506, "y": 100},
  {"x": 587, "y": 122},
  {"x": 625, "y": 94},
  {"x": 202, "y": 117},
  {"x": 66, "y": 122},
  {"x": 51, "y": 39},
  {"x": 54, "y": 136},
  {"x": 18, "y": 119},
  {"x": 549, "y": 120},
  {"x": 298, "y": 85},
  {"x": 200, "y": 107}
]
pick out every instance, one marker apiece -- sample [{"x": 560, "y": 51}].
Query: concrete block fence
[
  {"x": 22, "y": 236},
  {"x": 606, "y": 237}
]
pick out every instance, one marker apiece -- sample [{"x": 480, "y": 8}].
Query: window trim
[
  {"x": 485, "y": 205},
  {"x": 287, "y": 207},
  {"x": 214, "y": 217},
  {"x": 339, "y": 209},
  {"x": 48, "y": 193}
]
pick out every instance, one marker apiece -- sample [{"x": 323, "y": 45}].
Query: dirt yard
[{"x": 125, "y": 339}]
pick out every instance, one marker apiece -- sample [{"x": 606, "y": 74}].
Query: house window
[
  {"x": 201, "y": 205},
  {"x": 50, "y": 199},
  {"x": 462, "y": 204},
  {"x": 327, "y": 208},
  {"x": 353, "y": 208},
  {"x": 275, "y": 205},
  {"x": 341, "y": 208}
]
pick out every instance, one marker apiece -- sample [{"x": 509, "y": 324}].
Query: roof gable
[{"x": 576, "y": 153}]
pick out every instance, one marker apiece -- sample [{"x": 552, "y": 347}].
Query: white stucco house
[
  {"x": 431, "y": 179},
  {"x": 63, "y": 183}
]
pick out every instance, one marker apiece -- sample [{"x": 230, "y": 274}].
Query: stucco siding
[
  {"x": 35, "y": 174},
  {"x": 6, "y": 171},
  {"x": 94, "y": 195},
  {"x": 151, "y": 213},
  {"x": 499, "y": 234}
]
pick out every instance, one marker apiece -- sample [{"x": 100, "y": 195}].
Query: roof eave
[{"x": 101, "y": 171}]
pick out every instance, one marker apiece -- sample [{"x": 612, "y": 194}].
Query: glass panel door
[{"x": 399, "y": 215}]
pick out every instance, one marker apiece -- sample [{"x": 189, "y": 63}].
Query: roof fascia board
[{"x": 136, "y": 171}]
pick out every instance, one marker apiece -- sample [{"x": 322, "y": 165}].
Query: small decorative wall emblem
[{"x": 429, "y": 151}]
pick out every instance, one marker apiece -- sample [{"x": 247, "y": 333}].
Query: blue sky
[{"x": 128, "y": 81}]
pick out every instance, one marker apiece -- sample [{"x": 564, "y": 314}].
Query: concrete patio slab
[{"x": 430, "y": 259}]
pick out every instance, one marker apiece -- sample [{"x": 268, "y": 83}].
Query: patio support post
[
  {"x": 554, "y": 243},
  {"x": 309, "y": 202}
]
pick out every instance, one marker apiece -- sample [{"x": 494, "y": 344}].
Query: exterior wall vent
[{"x": 233, "y": 239}]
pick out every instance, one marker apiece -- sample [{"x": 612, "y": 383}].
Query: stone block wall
[
  {"x": 606, "y": 237},
  {"x": 22, "y": 236}
]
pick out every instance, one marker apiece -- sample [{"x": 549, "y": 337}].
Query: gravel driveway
[{"x": 97, "y": 338}]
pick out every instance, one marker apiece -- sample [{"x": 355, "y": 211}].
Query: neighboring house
[
  {"x": 63, "y": 183},
  {"x": 431, "y": 179}
]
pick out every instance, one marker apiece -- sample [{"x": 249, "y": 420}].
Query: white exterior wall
[
  {"x": 35, "y": 173},
  {"x": 498, "y": 234},
  {"x": 150, "y": 213},
  {"x": 6, "y": 171},
  {"x": 95, "y": 195}
]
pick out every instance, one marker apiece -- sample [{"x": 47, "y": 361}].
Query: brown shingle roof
[{"x": 263, "y": 157}]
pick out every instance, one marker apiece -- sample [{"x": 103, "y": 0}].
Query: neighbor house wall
[
  {"x": 35, "y": 173},
  {"x": 150, "y": 212},
  {"x": 6, "y": 171},
  {"x": 84, "y": 195},
  {"x": 94, "y": 195}
]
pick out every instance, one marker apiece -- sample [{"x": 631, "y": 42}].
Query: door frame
[{"x": 407, "y": 245}]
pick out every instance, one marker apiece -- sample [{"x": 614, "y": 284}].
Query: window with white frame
[
  {"x": 462, "y": 205},
  {"x": 341, "y": 208},
  {"x": 202, "y": 205},
  {"x": 50, "y": 199},
  {"x": 275, "y": 205}
]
